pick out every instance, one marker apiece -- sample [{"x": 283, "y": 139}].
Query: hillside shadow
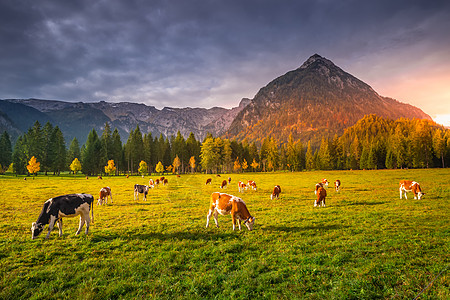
[
  {"x": 181, "y": 235},
  {"x": 298, "y": 228},
  {"x": 361, "y": 203}
]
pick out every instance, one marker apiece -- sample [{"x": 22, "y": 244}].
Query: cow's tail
[{"x": 92, "y": 209}]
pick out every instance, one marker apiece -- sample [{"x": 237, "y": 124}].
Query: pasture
[{"x": 366, "y": 244}]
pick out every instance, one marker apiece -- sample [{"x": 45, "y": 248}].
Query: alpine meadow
[{"x": 365, "y": 244}]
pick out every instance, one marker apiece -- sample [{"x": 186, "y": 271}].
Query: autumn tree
[
  {"x": 159, "y": 167},
  {"x": 110, "y": 168},
  {"x": 75, "y": 166},
  {"x": 254, "y": 165},
  {"x": 33, "y": 166},
  {"x": 143, "y": 167},
  {"x": 192, "y": 163},
  {"x": 237, "y": 165},
  {"x": 176, "y": 164},
  {"x": 244, "y": 165}
]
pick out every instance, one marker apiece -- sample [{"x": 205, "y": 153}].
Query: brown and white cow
[
  {"x": 64, "y": 206},
  {"x": 241, "y": 186},
  {"x": 323, "y": 183},
  {"x": 151, "y": 183},
  {"x": 252, "y": 184},
  {"x": 225, "y": 204},
  {"x": 321, "y": 195},
  {"x": 208, "y": 181},
  {"x": 165, "y": 181},
  {"x": 337, "y": 185},
  {"x": 103, "y": 195},
  {"x": 224, "y": 184},
  {"x": 276, "y": 192},
  {"x": 410, "y": 186},
  {"x": 156, "y": 181},
  {"x": 229, "y": 180}
]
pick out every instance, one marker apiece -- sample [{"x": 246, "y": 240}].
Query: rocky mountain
[
  {"x": 316, "y": 99},
  {"x": 77, "y": 119}
]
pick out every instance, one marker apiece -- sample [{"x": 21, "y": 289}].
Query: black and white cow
[
  {"x": 140, "y": 189},
  {"x": 64, "y": 206}
]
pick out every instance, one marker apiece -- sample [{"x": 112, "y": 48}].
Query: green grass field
[{"x": 366, "y": 244}]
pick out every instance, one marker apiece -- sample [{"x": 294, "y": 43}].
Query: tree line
[{"x": 372, "y": 143}]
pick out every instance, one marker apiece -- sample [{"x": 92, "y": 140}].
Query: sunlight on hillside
[{"x": 442, "y": 119}]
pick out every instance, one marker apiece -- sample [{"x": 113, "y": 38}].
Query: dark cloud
[{"x": 199, "y": 53}]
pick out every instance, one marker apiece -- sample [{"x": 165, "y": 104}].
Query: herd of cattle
[{"x": 73, "y": 205}]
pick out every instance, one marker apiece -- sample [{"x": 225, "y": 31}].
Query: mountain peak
[{"x": 316, "y": 58}]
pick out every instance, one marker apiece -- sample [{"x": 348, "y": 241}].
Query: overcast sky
[{"x": 183, "y": 53}]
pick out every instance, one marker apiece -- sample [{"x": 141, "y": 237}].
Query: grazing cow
[
  {"x": 227, "y": 204},
  {"x": 165, "y": 181},
  {"x": 410, "y": 186},
  {"x": 151, "y": 183},
  {"x": 323, "y": 183},
  {"x": 218, "y": 175},
  {"x": 178, "y": 176},
  {"x": 162, "y": 179},
  {"x": 140, "y": 189},
  {"x": 64, "y": 206},
  {"x": 128, "y": 175},
  {"x": 321, "y": 195},
  {"x": 224, "y": 184},
  {"x": 241, "y": 186},
  {"x": 229, "y": 180},
  {"x": 208, "y": 181},
  {"x": 99, "y": 177},
  {"x": 103, "y": 195},
  {"x": 276, "y": 192},
  {"x": 337, "y": 185},
  {"x": 156, "y": 181},
  {"x": 252, "y": 184}
]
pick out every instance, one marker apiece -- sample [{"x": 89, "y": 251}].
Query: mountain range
[{"x": 314, "y": 100}]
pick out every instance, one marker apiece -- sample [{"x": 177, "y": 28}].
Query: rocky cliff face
[
  {"x": 316, "y": 99},
  {"x": 77, "y": 119}
]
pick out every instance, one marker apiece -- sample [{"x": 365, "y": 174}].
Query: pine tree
[
  {"x": 92, "y": 154},
  {"x": 439, "y": 144},
  {"x": 117, "y": 151},
  {"x": 309, "y": 157},
  {"x": 227, "y": 156},
  {"x": 47, "y": 155},
  {"x": 74, "y": 150},
  {"x": 5, "y": 151},
  {"x": 107, "y": 145},
  {"x": 57, "y": 150},
  {"x": 19, "y": 156}
]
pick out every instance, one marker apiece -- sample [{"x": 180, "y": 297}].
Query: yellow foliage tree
[
  {"x": 142, "y": 167},
  {"x": 75, "y": 166},
  {"x": 254, "y": 164},
  {"x": 176, "y": 164},
  {"x": 237, "y": 165},
  {"x": 169, "y": 168},
  {"x": 33, "y": 165},
  {"x": 244, "y": 165},
  {"x": 192, "y": 163},
  {"x": 159, "y": 167},
  {"x": 110, "y": 168}
]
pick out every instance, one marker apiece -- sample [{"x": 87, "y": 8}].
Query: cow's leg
[
  {"x": 315, "y": 203},
  {"x": 208, "y": 216},
  {"x": 110, "y": 197},
  {"x": 216, "y": 219},
  {"x": 400, "y": 189},
  {"x": 233, "y": 219},
  {"x": 239, "y": 223},
  {"x": 60, "y": 226},
  {"x": 50, "y": 225},
  {"x": 82, "y": 221},
  {"x": 88, "y": 222},
  {"x": 323, "y": 203}
]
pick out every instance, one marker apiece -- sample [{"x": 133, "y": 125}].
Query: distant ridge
[{"x": 317, "y": 99}]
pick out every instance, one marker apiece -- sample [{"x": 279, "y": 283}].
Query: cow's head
[
  {"x": 250, "y": 222},
  {"x": 36, "y": 229},
  {"x": 419, "y": 195}
]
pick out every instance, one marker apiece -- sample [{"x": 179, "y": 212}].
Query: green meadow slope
[{"x": 366, "y": 244}]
